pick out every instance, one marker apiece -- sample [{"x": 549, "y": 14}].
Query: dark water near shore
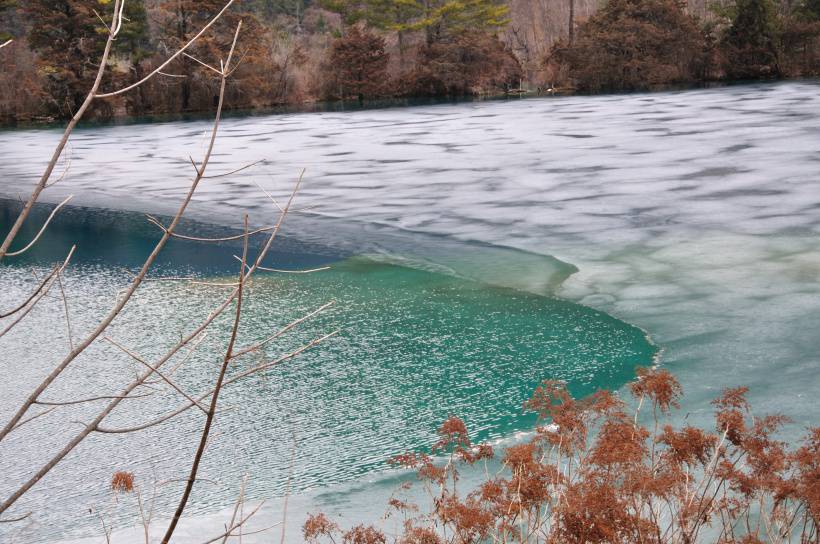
[{"x": 450, "y": 229}]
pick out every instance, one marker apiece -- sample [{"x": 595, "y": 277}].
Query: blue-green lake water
[{"x": 474, "y": 250}]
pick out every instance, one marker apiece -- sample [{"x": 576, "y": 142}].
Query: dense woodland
[{"x": 300, "y": 51}]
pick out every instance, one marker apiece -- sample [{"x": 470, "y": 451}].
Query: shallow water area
[{"x": 692, "y": 215}]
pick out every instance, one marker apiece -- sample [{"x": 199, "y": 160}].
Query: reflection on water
[{"x": 693, "y": 215}]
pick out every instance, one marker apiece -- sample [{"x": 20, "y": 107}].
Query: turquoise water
[
  {"x": 691, "y": 215},
  {"x": 417, "y": 342}
]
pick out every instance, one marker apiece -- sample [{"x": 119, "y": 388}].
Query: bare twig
[
  {"x": 19, "y": 518},
  {"x": 167, "y": 380},
  {"x": 42, "y": 289},
  {"x": 32, "y": 418},
  {"x": 254, "y": 370},
  {"x": 292, "y": 324},
  {"x": 226, "y": 360},
  {"x": 108, "y": 28},
  {"x": 170, "y": 59},
  {"x": 284, "y": 271},
  {"x": 65, "y": 306},
  {"x": 187, "y": 355},
  {"x": 91, "y": 399},
  {"x": 270, "y": 196},
  {"x": 226, "y": 174},
  {"x": 32, "y": 295},
  {"x": 208, "y": 66},
  {"x": 42, "y": 229},
  {"x": 154, "y": 221},
  {"x": 240, "y": 500},
  {"x": 241, "y": 523},
  {"x": 67, "y": 161}
]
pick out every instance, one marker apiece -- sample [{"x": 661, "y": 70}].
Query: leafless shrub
[{"x": 592, "y": 473}]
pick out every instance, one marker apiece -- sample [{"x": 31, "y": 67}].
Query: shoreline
[{"x": 341, "y": 106}]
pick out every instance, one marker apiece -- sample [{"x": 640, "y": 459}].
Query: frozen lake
[{"x": 693, "y": 216}]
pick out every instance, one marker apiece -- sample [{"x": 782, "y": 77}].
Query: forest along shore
[{"x": 308, "y": 51}]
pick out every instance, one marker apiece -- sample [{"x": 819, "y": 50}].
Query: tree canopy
[
  {"x": 633, "y": 44},
  {"x": 439, "y": 19}
]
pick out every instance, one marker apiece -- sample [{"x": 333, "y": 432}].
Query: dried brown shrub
[
  {"x": 318, "y": 526},
  {"x": 659, "y": 386},
  {"x": 122, "y": 481},
  {"x": 361, "y": 534},
  {"x": 594, "y": 474}
]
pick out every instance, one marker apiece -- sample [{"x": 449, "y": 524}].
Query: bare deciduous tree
[{"x": 35, "y": 406}]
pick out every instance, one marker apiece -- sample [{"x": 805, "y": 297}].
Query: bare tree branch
[
  {"x": 103, "y": 325},
  {"x": 172, "y": 57},
  {"x": 154, "y": 221},
  {"x": 91, "y": 399},
  {"x": 32, "y": 418},
  {"x": 65, "y": 306},
  {"x": 226, "y": 360},
  {"x": 21, "y": 218},
  {"x": 42, "y": 229},
  {"x": 208, "y": 66},
  {"x": 24, "y": 516},
  {"x": 95, "y": 424},
  {"x": 40, "y": 289},
  {"x": 282, "y": 331},
  {"x": 226, "y": 174},
  {"x": 167, "y": 380},
  {"x": 237, "y": 377}
]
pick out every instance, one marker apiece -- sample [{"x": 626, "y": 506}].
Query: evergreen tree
[
  {"x": 182, "y": 20},
  {"x": 270, "y": 9},
  {"x": 69, "y": 39},
  {"x": 444, "y": 20},
  {"x": 441, "y": 20},
  {"x": 752, "y": 41},
  {"x": 359, "y": 64}
]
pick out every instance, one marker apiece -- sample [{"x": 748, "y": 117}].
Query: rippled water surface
[{"x": 692, "y": 215}]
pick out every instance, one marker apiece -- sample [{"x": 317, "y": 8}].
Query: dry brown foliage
[
  {"x": 357, "y": 66},
  {"x": 635, "y": 44},
  {"x": 593, "y": 473},
  {"x": 318, "y": 526},
  {"x": 472, "y": 63},
  {"x": 122, "y": 481}
]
